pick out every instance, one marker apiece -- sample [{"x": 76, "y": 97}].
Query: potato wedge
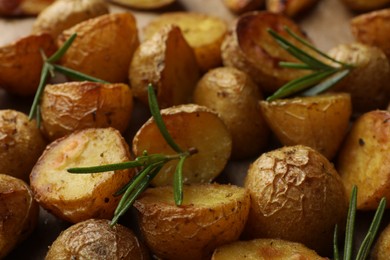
[
  {"x": 67, "y": 107},
  {"x": 96, "y": 239},
  {"x": 204, "y": 33},
  {"x": 21, "y": 144},
  {"x": 18, "y": 213},
  {"x": 371, "y": 68},
  {"x": 381, "y": 249},
  {"x": 211, "y": 215},
  {"x": 296, "y": 195},
  {"x": 23, "y": 7},
  {"x": 191, "y": 126},
  {"x": 144, "y": 4},
  {"x": 242, "y": 6},
  {"x": 63, "y": 14},
  {"x": 364, "y": 5},
  {"x": 264, "y": 249},
  {"x": 250, "y": 48},
  {"x": 21, "y": 63},
  {"x": 168, "y": 62},
  {"x": 78, "y": 197},
  {"x": 320, "y": 122},
  {"x": 235, "y": 97},
  {"x": 104, "y": 46},
  {"x": 364, "y": 159},
  {"x": 291, "y": 8}
]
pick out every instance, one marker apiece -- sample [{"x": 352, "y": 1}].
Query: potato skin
[
  {"x": 23, "y": 7},
  {"x": 96, "y": 239},
  {"x": 291, "y": 8},
  {"x": 21, "y": 63},
  {"x": 18, "y": 213},
  {"x": 63, "y": 14},
  {"x": 235, "y": 97},
  {"x": 364, "y": 5},
  {"x": 296, "y": 195},
  {"x": 364, "y": 159},
  {"x": 242, "y": 6},
  {"x": 144, "y": 4},
  {"x": 104, "y": 46},
  {"x": 211, "y": 215},
  {"x": 67, "y": 107},
  {"x": 21, "y": 144},
  {"x": 381, "y": 249}
]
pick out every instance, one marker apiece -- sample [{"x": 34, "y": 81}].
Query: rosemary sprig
[
  {"x": 324, "y": 75},
  {"x": 48, "y": 69},
  {"x": 149, "y": 166}
]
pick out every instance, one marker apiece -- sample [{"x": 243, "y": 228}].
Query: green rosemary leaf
[
  {"x": 326, "y": 84},
  {"x": 300, "y": 84},
  {"x": 60, "y": 52},
  {"x": 106, "y": 167},
  {"x": 294, "y": 65},
  {"x": 336, "y": 254},
  {"x": 76, "y": 75},
  {"x": 350, "y": 225},
  {"x": 41, "y": 86},
  {"x": 154, "y": 109},
  {"x": 178, "y": 181}
]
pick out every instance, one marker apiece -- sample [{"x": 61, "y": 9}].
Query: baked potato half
[
  {"x": 291, "y": 8},
  {"x": 211, "y": 215},
  {"x": 242, "y": 6},
  {"x": 23, "y": 7},
  {"x": 381, "y": 249},
  {"x": 364, "y": 5},
  {"x": 144, "y": 4}
]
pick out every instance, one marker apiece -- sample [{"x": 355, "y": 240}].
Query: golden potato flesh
[
  {"x": 364, "y": 5},
  {"x": 265, "y": 249},
  {"x": 242, "y": 6},
  {"x": 381, "y": 250},
  {"x": 104, "y": 46},
  {"x": 204, "y": 33},
  {"x": 319, "y": 122},
  {"x": 169, "y": 63},
  {"x": 77, "y": 197},
  {"x": 290, "y": 8},
  {"x": 18, "y": 213},
  {"x": 67, "y": 107},
  {"x": 21, "y": 63},
  {"x": 144, "y": 4},
  {"x": 191, "y": 126},
  {"x": 250, "y": 48},
  {"x": 96, "y": 239},
  {"x": 233, "y": 95},
  {"x": 21, "y": 144},
  {"x": 63, "y": 14},
  {"x": 364, "y": 159},
  {"x": 369, "y": 81},
  {"x": 211, "y": 215},
  {"x": 23, "y": 7},
  {"x": 296, "y": 195}
]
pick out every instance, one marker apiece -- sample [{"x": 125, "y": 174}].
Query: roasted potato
[
  {"x": 71, "y": 106},
  {"x": 204, "y": 33},
  {"x": 364, "y": 159},
  {"x": 296, "y": 195},
  {"x": 63, "y": 14},
  {"x": 144, "y": 4},
  {"x": 364, "y": 5},
  {"x": 18, "y": 213},
  {"x": 319, "y": 122},
  {"x": 250, "y": 48},
  {"x": 211, "y": 215},
  {"x": 381, "y": 249},
  {"x": 291, "y": 8},
  {"x": 96, "y": 239},
  {"x": 78, "y": 197},
  {"x": 168, "y": 62},
  {"x": 242, "y": 6},
  {"x": 235, "y": 97},
  {"x": 21, "y": 144},
  {"x": 373, "y": 29},
  {"x": 104, "y": 46},
  {"x": 21, "y": 63},
  {"x": 371, "y": 68},
  {"x": 23, "y": 7},
  {"x": 192, "y": 127},
  {"x": 264, "y": 249}
]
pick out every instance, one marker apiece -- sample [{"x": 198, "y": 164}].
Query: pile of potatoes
[{"x": 211, "y": 79}]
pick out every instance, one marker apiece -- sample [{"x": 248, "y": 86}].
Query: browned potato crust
[
  {"x": 365, "y": 5},
  {"x": 211, "y": 215},
  {"x": 63, "y": 14},
  {"x": 204, "y": 33},
  {"x": 96, "y": 239},
  {"x": 21, "y": 63},
  {"x": 18, "y": 213},
  {"x": 169, "y": 63},
  {"x": 381, "y": 250},
  {"x": 21, "y": 144},
  {"x": 78, "y": 197},
  {"x": 265, "y": 249},
  {"x": 296, "y": 195},
  {"x": 23, "y": 7},
  {"x": 250, "y": 48},
  {"x": 369, "y": 81},
  {"x": 235, "y": 97},
  {"x": 144, "y": 4},
  {"x": 364, "y": 159},
  {"x": 242, "y": 6},
  {"x": 290, "y": 8},
  {"x": 191, "y": 126},
  {"x": 319, "y": 122},
  {"x": 104, "y": 46},
  {"x": 67, "y": 107}
]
